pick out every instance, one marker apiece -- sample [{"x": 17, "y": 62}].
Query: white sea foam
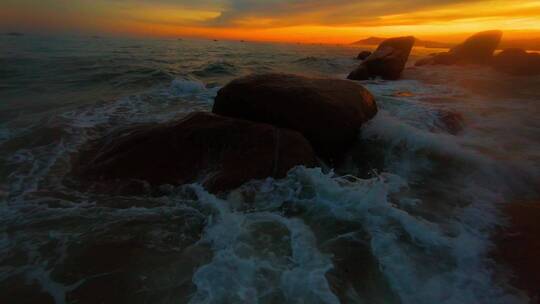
[
  {"x": 401, "y": 242},
  {"x": 186, "y": 87},
  {"x": 249, "y": 265},
  {"x": 430, "y": 248}
]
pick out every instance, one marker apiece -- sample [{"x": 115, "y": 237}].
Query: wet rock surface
[
  {"x": 328, "y": 112},
  {"x": 387, "y": 61},
  {"x": 477, "y": 49},
  {"x": 220, "y": 152}
]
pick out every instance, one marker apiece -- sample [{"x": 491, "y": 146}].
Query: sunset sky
[{"x": 327, "y": 21}]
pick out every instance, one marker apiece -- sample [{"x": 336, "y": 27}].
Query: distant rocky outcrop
[
  {"x": 388, "y": 60},
  {"x": 417, "y": 42},
  {"x": 220, "y": 152},
  {"x": 450, "y": 121},
  {"x": 328, "y": 112},
  {"x": 363, "y": 55},
  {"x": 370, "y": 41},
  {"x": 517, "y": 62},
  {"x": 477, "y": 49}
]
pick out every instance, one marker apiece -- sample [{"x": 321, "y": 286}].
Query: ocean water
[{"x": 408, "y": 218}]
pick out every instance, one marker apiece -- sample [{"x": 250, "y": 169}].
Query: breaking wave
[{"x": 416, "y": 228}]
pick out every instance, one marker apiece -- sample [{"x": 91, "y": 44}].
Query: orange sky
[{"x": 326, "y": 21}]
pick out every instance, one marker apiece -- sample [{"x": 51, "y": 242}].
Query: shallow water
[{"x": 414, "y": 228}]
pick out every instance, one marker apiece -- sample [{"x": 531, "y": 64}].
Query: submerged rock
[
  {"x": 130, "y": 260},
  {"x": 220, "y": 152},
  {"x": 388, "y": 60},
  {"x": 360, "y": 73},
  {"x": 450, "y": 121},
  {"x": 477, "y": 49},
  {"x": 356, "y": 273},
  {"x": 363, "y": 55},
  {"x": 328, "y": 112},
  {"x": 440, "y": 58},
  {"x": 403, "y": 94},
  {"x": 517, "y": 62}
]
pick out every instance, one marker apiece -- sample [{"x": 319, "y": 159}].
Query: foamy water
[{"x": 414, "y": 228}]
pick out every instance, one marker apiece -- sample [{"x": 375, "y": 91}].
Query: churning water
[{"x": 408, "y": 219}]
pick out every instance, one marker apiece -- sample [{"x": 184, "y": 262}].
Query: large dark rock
[
  {"x": 388, "y": 60},
  {"x": 477, "y": 49},
  {"x": 220, "y": 152},
  {"x": 328, "y": 112},
  {"x": 450, "y": 121},
  {"x": 517, "y": 62}
]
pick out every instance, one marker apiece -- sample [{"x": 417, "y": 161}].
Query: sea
[{"x": 450, "y": 146}]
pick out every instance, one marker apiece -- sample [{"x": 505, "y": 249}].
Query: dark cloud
[
  {"x": 277, "y": 13},
  {"x": 321, "y": 12},
  {"x": 263, "y": 13}
]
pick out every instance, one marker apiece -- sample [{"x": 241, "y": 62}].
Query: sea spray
[
  {"x": 417, "y": 229},
  {"x": 289, "y": 269},
  {"x": 401, "y": 243}
]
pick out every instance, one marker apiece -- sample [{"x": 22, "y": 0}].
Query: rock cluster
[
  {"x": 480, "y": 49},
  {"x": 328, "y": 112},
  {"x": 477, "y": 49},
  {"x": 262, "y": 126},
  {"x": 517, "y": 62}
]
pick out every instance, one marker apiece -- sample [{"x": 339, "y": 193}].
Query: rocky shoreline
[
  {"x": 261, "y": 126},
  {"x": 264, "y": 125}
]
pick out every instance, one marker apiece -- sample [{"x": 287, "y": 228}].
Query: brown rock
[
  {"x": 477, "y": 49},
  {"x": 328, "y": 112},
  {"x": 450, "y": 121},
  {"x": 388, "y": 60},
  {"x": 517, "y": 62},
  {"x": 360, "y": 73},
  {"x": 220, "y": 152}
]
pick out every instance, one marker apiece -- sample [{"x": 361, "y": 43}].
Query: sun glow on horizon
[{"x": 316, "y": 21}]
